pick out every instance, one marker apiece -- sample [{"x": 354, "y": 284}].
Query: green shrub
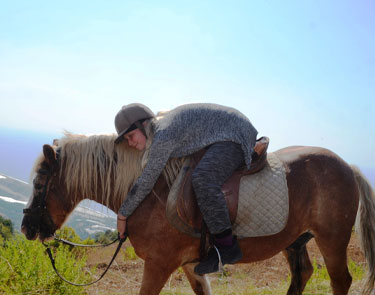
[
  {"x": 105, "y": 237},
  {"x": 130, "y": 253},
  {"x": 6, "y": 229},
  {"x": 25, "y": 268}
]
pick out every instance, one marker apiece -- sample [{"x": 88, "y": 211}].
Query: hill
[
  {"x": 87, "y": 219},
  {"x": 14, "y": 188}
]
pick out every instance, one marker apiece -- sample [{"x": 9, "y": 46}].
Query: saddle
[{"x": 186, "y": 204}]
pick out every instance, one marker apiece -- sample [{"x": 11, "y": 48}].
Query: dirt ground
[{"x": 125, "y": 275}]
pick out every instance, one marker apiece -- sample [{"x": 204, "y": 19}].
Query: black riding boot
[{"x": 224, "y": 254}]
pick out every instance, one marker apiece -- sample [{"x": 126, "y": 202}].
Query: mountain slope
[
  {"x": 85, "y": 220},
  {"x": 15, "y": 188}
]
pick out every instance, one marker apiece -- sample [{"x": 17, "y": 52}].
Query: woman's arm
[{"x": 157, "y": 159}]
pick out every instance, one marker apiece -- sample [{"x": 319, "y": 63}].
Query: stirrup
[{"x": 220, "y": 265}]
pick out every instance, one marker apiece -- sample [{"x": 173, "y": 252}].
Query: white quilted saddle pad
[{"x": 263, "y": 205}]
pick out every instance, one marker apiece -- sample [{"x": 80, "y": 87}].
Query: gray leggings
[{"x": 218, "y": 163}]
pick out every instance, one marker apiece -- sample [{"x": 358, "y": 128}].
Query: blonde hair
[
  {"x": 96, "y": 168},
  {"x": 99, "y": 168}
]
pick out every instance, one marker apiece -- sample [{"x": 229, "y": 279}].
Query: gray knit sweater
[{"x": 183, "y": 131}]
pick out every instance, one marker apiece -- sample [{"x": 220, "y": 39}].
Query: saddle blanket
[{"x": 263, "y": 205}]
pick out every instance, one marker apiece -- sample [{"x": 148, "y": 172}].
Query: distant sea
[{"x": 19, "y": 149}]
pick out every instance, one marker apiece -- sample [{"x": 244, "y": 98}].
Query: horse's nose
[
  {"x": 23, "y": 229},
  {"x": 30, "y": 232}
]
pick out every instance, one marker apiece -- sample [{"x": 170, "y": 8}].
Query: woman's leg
[{"x": 215, "y": 167}]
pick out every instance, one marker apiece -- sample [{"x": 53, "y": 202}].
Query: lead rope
[{"x": 48, "y": 250}]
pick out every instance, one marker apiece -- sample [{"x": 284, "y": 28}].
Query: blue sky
[{"x": 302, "y": 71}]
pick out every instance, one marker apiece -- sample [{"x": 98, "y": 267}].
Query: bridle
[{"x": 41, "y": 212}]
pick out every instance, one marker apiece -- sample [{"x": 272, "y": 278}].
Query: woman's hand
[{"x": 121, "y": 225}]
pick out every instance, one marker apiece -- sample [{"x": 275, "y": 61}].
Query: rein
[
  {"x": 49, "y": 252},
  {"x": 57, "y": 239}
]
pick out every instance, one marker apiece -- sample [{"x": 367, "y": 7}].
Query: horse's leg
[
  {"x": 155, "y": 274},
  {"x": 301, "y": 269},
  {"x": 334, "y": 254},
  {"x": 300, "y": 264},
  {"x": 199, "y": 283}
]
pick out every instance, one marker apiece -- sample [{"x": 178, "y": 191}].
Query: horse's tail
[{"x": 365, "y": 226}]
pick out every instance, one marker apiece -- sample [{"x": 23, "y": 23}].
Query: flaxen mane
[{"x": 95, "y": 166}]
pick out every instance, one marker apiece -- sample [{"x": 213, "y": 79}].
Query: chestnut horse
[{"x": 325, "y": 195}]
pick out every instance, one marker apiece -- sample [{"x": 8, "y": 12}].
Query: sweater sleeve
[{"x": 157, "y": 159}]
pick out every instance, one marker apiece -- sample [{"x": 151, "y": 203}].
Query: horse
[{"x": 326, "y": 196}]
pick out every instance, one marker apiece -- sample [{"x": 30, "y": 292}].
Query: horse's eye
[{"x": 38, "y": 186}]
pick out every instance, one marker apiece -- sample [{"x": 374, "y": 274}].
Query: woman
[{"x": 229, "y": 138}]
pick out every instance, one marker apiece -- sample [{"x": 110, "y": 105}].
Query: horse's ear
[{"x": 49, "y": 154}]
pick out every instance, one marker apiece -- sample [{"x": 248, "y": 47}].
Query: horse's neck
[
  {"x": 113, "y": 204},
  {"x": 99, "y": 172},
  {"x": 97, "y": 196},
  {"x": 154, "y": 202},
  {"x": 159, "y": 193}
]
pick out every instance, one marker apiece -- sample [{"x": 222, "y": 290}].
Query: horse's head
[
  {"x": 46, "y": 210},
  {"x": 82, "y": 167}
]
